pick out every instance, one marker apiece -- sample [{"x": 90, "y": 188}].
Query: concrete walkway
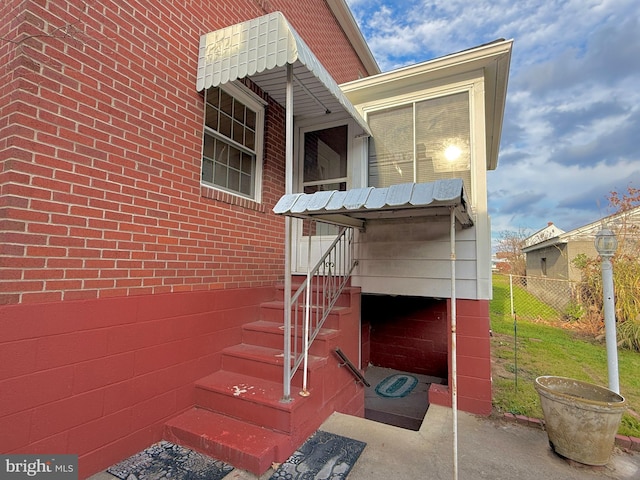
[{"x": 487, "y": 448}]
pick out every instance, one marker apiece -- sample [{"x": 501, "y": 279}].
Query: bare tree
[{"x": 510, "y": 248}]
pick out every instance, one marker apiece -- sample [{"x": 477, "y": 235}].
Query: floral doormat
[
  {"x": 323, "y": 456},
  {"x": 165, "y": 460}
]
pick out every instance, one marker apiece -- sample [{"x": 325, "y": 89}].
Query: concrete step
[
  {"x": 344, "y": 300},
  {"x": 274, "y": 312},
  {"x": 237, "y": 443},
  {"x": 271, "y": 334},
  {"x": 251, "y": 399},
  {"x": 265, "y": 362}
]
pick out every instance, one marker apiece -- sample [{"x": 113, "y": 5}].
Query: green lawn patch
[{"x": 529, "y": 349}]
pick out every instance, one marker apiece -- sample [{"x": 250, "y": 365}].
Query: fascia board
[{"x": 377, "y": 86}]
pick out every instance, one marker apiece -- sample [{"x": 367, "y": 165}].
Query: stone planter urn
[{"x": 581, "y": 418}]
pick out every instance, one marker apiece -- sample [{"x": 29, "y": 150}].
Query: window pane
[
  {"x": 246, "y": 184},
  {"x": 443, "y": 138},
  {"x": 209, "y": 143},
  {"x": 207, "y": 170},
  {"x": 234, "y": 180},
  {"x": 220, "y": 175},
  {"x": 247, "y": 164},
  {"x": 391, "y": 147},
  {"x": 234, "y": 158},
  {"x": 222, "y": 151},
  {"x": 226, "y": 103},
  {"x": 238, "y": 131},
  {"x": 251, "y": 119},
  {"x": 442, "y": 135},
  {"x": 325, "y": 156},
  {"x": 211, "y": 119},
  {"x": 225, "y": 125},
  {"x": 438, "y": 145},
  {"x": 229, "y": 157},
  {"x": 250, "y": 139},
  {"x": 238, "y": 112}
]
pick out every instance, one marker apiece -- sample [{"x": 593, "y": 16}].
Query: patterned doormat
[
  {"x": 165, "y": 460},
  {"x": 396, "y": 386},
  {"x": 323, "y": 456}
]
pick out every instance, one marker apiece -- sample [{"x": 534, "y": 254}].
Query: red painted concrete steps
[
  {"x": 239, "y": 416},
  {"x": 236, "y": 442}
]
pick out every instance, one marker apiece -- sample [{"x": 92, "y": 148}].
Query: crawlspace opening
[{"x": 404, "y": 351}]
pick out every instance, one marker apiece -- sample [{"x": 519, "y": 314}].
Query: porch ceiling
[
  {"x": 260, "y": 49},
  {"x": 357, "y": 206}
]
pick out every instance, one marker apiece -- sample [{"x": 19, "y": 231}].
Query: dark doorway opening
[{"x": 405, "y": 350}]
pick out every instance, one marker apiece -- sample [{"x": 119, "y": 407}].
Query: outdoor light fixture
[{"x": 606, "y": 245}]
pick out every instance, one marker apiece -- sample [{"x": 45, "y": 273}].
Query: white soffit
[
  {"x": 357, "y": 206},
  {"x": 260, "y": 49}
]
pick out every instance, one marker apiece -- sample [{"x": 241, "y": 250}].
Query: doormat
[
  {"x": 323, "y": 456},
  {"x": 167, "y": 460},
  {"x": 396, "y": 386}
]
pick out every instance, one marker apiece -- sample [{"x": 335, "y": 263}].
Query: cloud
[{"x": 572, "y": 118}]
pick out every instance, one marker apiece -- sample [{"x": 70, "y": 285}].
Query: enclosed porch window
[{"x": 421, "y": 141}]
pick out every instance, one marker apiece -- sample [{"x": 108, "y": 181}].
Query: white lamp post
[{"x": 606, "y": 245}]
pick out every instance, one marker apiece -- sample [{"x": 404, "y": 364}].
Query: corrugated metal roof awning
[
  {"x": 355, "y": 207},
  {"x": 260, "y": 49}
]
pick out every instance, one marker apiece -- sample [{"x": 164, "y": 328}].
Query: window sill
[{"x": 231, "y": 199}]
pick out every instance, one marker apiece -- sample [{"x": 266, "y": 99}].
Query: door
[{"x": 323, "y": 166}]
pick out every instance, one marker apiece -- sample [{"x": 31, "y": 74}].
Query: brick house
[{"x": 163, "y": 172}]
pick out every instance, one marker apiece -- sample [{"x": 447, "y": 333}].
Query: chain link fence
[{"x": 537, "y": 298}]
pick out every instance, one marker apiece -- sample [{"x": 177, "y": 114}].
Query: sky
[{"x": 571, "y": 132}]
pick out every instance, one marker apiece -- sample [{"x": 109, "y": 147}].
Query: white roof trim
[
  {"x": 260, "y": 49},
  {"x": 586, "y": 232}
]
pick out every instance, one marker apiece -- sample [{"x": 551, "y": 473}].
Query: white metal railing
[{"x": 311, "y": 304}]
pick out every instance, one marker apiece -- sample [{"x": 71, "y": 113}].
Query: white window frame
[
  {"x": 257, "y": 104},
  {"x": 473, "y": 86}
]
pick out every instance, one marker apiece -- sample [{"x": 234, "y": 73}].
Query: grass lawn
[{"x": 544, "y": 348}]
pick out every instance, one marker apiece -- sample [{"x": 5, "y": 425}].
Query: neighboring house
[
  {"x": 156, "y": 162},
  {"x": 550, "y": 254}
]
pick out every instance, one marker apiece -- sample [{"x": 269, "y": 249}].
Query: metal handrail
[{"x": 321, "y": 288}]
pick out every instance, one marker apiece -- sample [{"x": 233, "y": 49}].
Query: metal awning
[
  {"x": 261, "y": 49},
  {"x": 357, "y": 206}
]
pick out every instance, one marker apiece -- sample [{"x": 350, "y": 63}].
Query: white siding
[{"x": 412, "y": 257}]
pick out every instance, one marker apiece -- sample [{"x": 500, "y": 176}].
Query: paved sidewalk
[{"x": 487, "y": 448}]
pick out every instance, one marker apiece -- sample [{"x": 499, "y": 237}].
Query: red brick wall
[
  {"x": 99, "y": 378},
  {"x": 100, "y": 144},
  {"x": 309, "y": 18},
  {"x": 407, "y": 333}
]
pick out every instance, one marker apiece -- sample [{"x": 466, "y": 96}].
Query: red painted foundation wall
[
  {"x": 473, "y": 359},
  {"x": 99, "y": 378}
]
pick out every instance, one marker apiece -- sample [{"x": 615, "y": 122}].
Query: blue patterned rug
[
  {"x": 396, "y": 386},
  {"x": 323, "y": 456},
  {"x": 165, "y": 460}
]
